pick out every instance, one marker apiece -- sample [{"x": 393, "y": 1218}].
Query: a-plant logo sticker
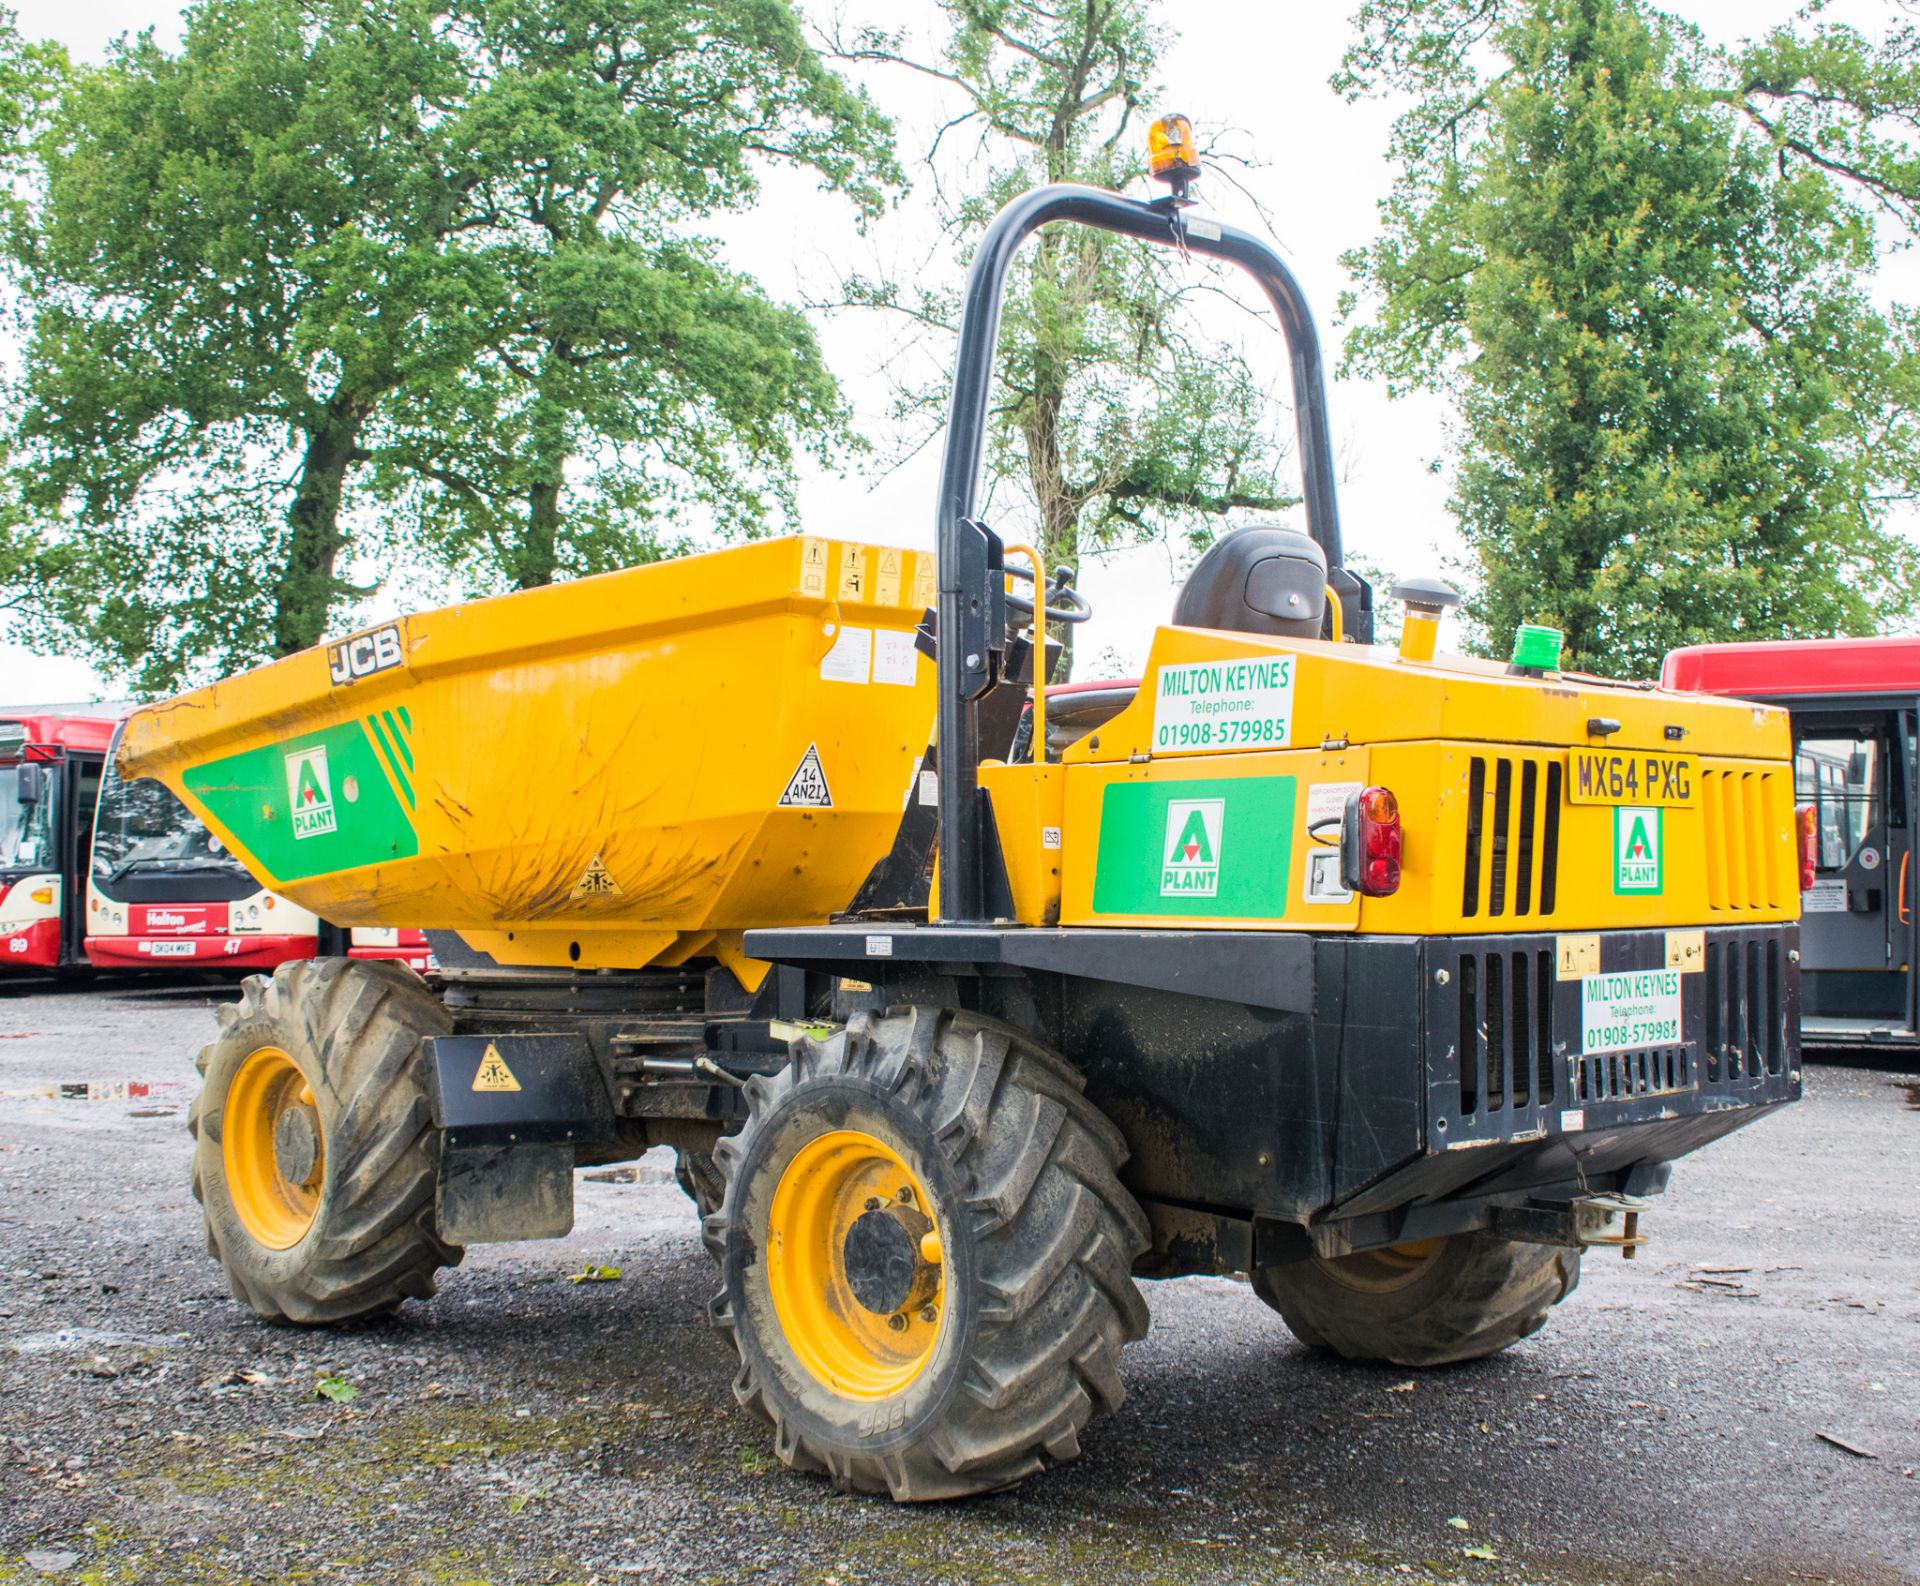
[
  {"x": 1191, "y": 862},
  {"x": 310, "y": 792},
  {"x": 1638, "y": 850}
]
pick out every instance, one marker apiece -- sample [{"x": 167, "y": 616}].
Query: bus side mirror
[{"x": 31, "y": 785}]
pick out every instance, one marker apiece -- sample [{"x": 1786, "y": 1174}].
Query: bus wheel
[
  {"x": 1428, "y": 1303},
  {"x": 927, "y": 1256},
  {"x": 315, "y": 1154}
]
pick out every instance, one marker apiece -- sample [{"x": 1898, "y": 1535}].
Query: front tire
[
  {"x": 926, "y": 1256},
  {"x": 315, "y": 1156},
  {"x": 1425, "y": 1304}
]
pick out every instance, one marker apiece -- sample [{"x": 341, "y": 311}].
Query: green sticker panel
[
  {"x": 1216, "y": 847},
  {"x": 318, "y": 803}
]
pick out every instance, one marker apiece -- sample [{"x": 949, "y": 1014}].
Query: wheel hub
[
  {"x": 885, "y": 1266},
  {"x": 296, "y": 1143}
]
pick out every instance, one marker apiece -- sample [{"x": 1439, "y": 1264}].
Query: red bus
[
  {"x": 1853, "y": 704},
  {"x": 163, "y": 891},
  {"x": 50, "y": 767}
]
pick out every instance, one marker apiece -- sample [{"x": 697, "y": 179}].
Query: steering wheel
[{"x": 1059, "y": 587}]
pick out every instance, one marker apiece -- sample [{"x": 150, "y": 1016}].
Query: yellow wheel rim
[
  {"x": 273, "y": 1148},
  {"x": 1383, "y": 1271},
  {"x": 855, "y": 1265}
]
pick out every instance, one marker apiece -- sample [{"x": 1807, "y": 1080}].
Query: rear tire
[
  {"x": 978, "y": 1143},
  {"x": 1429, "y": 1304},
  {"x": 315, "y": 1156}
]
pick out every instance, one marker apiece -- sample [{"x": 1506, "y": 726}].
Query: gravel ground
[{"x": 523, "y": 1428}]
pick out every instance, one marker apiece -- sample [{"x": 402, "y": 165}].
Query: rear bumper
[
  {"x": 202, "y": 952},
  {"x": 1305, "y": 1079},
  {"x": 1513, "y": 1100}
]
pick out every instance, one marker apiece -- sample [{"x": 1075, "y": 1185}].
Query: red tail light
[
  {"x": 1807, "y": 819},
  {"x": 1370, "y": 843}
]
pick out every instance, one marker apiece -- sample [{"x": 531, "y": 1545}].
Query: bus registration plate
[
  {"x": 167, "y": 949},
  {"x": 1622, "y": 776}
]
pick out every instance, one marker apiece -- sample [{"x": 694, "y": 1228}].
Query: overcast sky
[{"x": 1259, "y": 67}]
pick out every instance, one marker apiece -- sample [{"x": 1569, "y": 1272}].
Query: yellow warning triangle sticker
[
  {"x": 494, "y": 1073},
  {"x": 596, "y": 881}
]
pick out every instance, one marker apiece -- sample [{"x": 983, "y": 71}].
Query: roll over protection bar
[{"x": 972, "y": 613}]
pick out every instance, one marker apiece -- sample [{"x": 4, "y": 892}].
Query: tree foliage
[
  {"x": 1643, "y": 266},
  {"x": 30, "y": 77},
  {"x": 1120, "y": 419},
  {"x": 336, "y": 256}
]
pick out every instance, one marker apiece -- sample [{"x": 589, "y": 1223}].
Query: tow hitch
[{"x": 1589, "y": 1221}]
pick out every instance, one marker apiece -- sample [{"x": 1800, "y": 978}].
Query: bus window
[
  {"x": 26, "y": 825},
  {"x": 1840, "y": 777}
]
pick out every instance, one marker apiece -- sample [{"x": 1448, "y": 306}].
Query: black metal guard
[{"x": 968, "y": 637}]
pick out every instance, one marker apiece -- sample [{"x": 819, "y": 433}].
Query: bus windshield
[
  {"x": 142, "y": 827},
  {"x": 26, "y": 828}
]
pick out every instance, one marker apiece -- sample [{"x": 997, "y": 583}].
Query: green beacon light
[{"x": 1536, "y": 649}]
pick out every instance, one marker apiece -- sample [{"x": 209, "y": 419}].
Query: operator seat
[{"x": 1261, "y": 578}]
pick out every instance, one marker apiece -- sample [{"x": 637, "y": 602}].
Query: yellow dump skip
[{"x": 626, "y": 770}]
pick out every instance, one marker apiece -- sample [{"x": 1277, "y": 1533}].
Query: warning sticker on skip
[
  {"x": 851, "y": 658},
  {"x": 807, "y": 787}
]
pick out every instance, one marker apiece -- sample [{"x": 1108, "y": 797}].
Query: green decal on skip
[
  {"x": 321, "y": 802},
  {"x": 1218, "y": 847}
]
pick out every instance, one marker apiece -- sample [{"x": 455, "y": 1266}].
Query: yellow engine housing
[{"x": 1498, "y": 835}]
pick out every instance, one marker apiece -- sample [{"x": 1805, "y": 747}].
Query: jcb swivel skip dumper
[{"x": 1392, "y": 980}]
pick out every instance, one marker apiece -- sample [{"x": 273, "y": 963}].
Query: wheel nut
[
  {"x": 873, "y": 1203},
  {"x": 897, "y": 1322},
  {"x": 928, "y": 1314},
  {"x": 906, "y": 1194}
]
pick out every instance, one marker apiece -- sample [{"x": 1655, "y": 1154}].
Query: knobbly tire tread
[
  {"x": 1481, "y": 1295},
  {"x": 1054, "y": 1239},
  {"x": 355, "y": 1030},
  {"x": 699, "y": 1180}
]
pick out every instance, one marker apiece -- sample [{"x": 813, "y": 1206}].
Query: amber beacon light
[{"x": 1172, "y": 154}]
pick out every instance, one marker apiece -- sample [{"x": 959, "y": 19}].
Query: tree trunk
[
  {"x": 551, "y": 443},
  {"x": 539, "y": 549},
  {"x": 303, "y": 599}
]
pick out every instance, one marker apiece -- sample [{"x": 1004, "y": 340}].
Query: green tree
[
  {"x": 631, "y": 384},
  {"x": 278, "y": 275},
  {"x": 1641, "y": 264},
  {"x": 1120, "y": 419},
  {"x": 30, "y": 78}
]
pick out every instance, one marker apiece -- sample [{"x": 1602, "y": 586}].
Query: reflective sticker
[
  {"x": 364, "y": 654},
  {"x": 310, "y": 792},
  {"x": 851, "y": 658},
  {"x": 1630, "y": 1012},
  {"x": 1221, "y": 847},
  {"x": 886, "y": 581},
  {"x": 493, "y": 1072},
  {"x": 895, "y": 659},
  {"x": 807, "y": 787},
  {"x": 1639, "y": 867},
  {"x": 1237, "y": 704},
  {"x": 596, "y": 881},
  {"x": 813, "y": 568},
  {"x": 1327, "y": 805},
  {"x": 853, "y": 572}
]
